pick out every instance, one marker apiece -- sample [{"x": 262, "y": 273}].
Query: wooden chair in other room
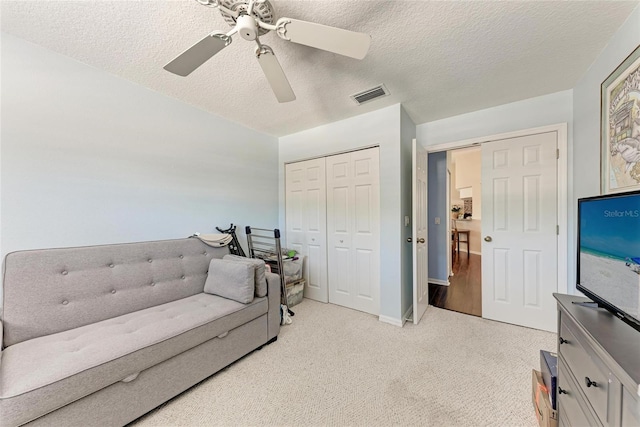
[{"x": 457, "y": 237}]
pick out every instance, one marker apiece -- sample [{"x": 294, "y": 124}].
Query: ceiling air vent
[{"x": 370, "y": 94}]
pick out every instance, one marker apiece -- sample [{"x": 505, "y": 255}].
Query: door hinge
[
  {"x": 557, "y": 153},
  {"x": 557, "y": 230}
]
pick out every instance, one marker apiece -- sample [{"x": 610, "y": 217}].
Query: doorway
[
  {"x": 524, "y": 223},
  {"x": 463, "y": 292}
]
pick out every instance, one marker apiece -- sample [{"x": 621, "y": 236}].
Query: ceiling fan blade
[
  {"x": 185, "y": 63},
  {"x": 336, "y": 40},
  {"x": 276, "y": 77}
]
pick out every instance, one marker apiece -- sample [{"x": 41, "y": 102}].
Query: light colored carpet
[{"x": 335, "y": 366}]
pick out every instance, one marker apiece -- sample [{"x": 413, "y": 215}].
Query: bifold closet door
[
  {"x": 306, "y": 222},
  {"x": 353, "y": 230}
]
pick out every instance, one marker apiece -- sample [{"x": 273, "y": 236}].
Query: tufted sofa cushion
[
  {"x": 69, "y": 365},
  {"x": 73, "y": 287}
]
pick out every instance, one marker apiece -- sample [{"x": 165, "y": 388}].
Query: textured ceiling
[{"x": 438, "y": 59}]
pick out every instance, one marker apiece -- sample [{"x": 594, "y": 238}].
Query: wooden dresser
[{"x": 598, "y": 366}]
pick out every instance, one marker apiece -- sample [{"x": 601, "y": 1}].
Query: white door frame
[{"x": 562, "y": 194}]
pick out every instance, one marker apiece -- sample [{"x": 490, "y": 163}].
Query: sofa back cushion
[
  {"x": 232, "y": 280},
  {"x": 53, "y": 290}
]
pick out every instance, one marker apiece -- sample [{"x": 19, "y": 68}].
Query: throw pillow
[
  {"x": 230, "y": 279},
  {"x": 260, "y": 279}
]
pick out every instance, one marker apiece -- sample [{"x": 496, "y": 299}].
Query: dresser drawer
[
  {"x": 562, "y": 422},
  {"x": 571, "y": 406},
  {"x": 630, "y": 409},
  {"x": 589, "y": 371}
]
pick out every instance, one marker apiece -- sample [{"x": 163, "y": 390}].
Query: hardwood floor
[{"x": 464, "y": 293}]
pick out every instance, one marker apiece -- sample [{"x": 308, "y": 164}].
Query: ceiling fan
[{"x": 253, "y": 18}]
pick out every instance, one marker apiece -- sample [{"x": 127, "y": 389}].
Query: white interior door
[
  {"x": 306, "y": 219},
  {"x": 419, "y": 232},
  {"x": 353, "y": 230},
  {"x": 519, "y": 229}
]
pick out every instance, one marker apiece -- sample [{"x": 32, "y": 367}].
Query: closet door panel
[
  {"x": 364, "y": 266},
  {"x": 338, "y": 169},
  {"x": 306, "y": 219},
  {"x": 366, "y": 230},
  {"x": 295, "y": 201},
  {"x": 340, "y": 210},
  {"x": 339, "y": 283},
  {"x": 363, "y": 215},
  {"x": 315, "y": 205},
  {"x": 339, "y": 197},
  {"x": 315, "y": 270},
  {"x": 352, "y": 229}
]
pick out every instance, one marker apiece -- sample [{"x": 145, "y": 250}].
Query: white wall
[
  {"x": 380, "y": 127},
  {"x": 89, "y": 158},
  {"x": 468, "y": 173},
  {"x": 586, "y": 109},
  {"x": 529, "y": 113}
]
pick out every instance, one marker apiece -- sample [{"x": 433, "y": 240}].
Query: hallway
[{"x": 464, "y": 293}]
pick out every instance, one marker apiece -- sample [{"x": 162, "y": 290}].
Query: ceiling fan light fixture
[
  {"x": 250, "y": 19},
  {"x": 370, "y": 94}
]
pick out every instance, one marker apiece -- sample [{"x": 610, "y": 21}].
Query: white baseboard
[
  {"x": 438, "y": 282},
  {"x": 391, "y": 320}
]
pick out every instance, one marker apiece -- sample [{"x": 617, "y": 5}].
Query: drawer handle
[
  {"x": 563, "y": 341},
  {"x": 561, "y": 391},
  {"x": 590, "y": 383}
]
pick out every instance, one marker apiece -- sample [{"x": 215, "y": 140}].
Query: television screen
[{"x": 609, "y": 252}]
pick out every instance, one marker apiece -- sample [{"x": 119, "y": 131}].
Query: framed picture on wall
[{"x": 620, "y": 127}]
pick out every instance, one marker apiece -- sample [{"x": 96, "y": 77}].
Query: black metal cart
[{"x": 265, "y": 244}]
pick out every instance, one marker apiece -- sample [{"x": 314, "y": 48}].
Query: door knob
[
  {"x": 409, "y": 240},
  {"x": 420, "y": 240},
  {"x": 488, "y": 239}
]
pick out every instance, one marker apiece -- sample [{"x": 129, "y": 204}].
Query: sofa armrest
[{"x": 273, "y": 296}]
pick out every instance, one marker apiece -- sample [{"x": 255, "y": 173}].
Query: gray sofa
[{"x": 101, "y": 335}]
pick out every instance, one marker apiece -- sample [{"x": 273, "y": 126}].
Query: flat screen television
[{"x": 609, "y": 253}]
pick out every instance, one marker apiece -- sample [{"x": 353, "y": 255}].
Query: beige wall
[
  {"x": 466, "y": 172},
  {"x": 465, "y": 169}
]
